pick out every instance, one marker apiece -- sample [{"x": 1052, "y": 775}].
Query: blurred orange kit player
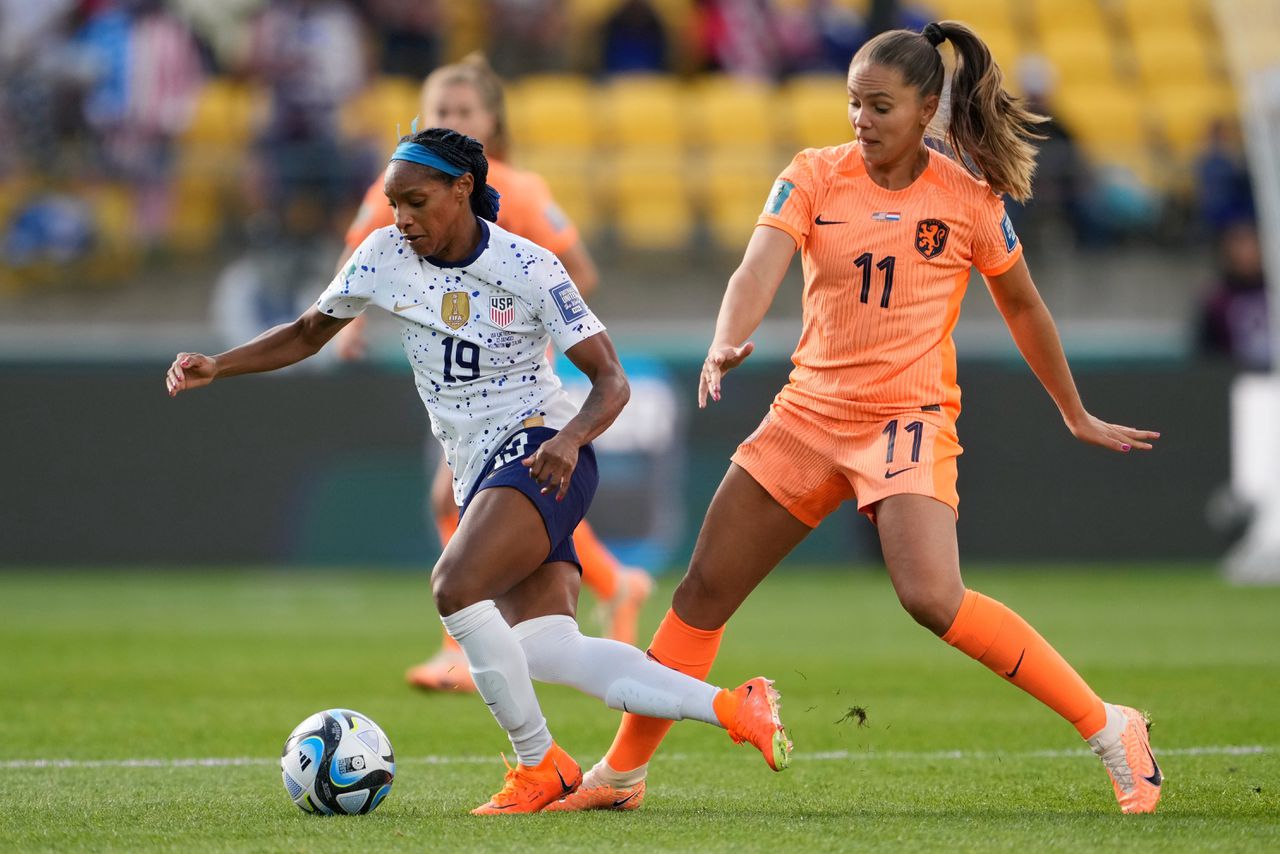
[
  {"x": 875, "y": 368},
  {"x": 467, "y": 97}
]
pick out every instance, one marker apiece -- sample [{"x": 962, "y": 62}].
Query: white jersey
[{"x": 475, "y": 332}]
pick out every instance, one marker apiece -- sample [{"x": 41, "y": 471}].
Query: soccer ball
[{"x": 337, "y": 762}]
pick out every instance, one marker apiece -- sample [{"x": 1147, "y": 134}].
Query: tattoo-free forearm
[
  {"x": 1037, "y": 339},
  {"x": 279, "y": 347}
]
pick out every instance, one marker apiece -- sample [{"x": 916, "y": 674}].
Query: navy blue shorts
[{"x": 561, "y": 518}]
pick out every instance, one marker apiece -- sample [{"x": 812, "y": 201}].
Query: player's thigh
[
  {"x": 918, "y": 541},
  {"x": 501, "y": 540},
  {"x": 551, "y": 589},
  {"x": 745, "y": 534}
]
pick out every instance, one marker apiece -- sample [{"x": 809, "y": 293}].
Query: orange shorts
[{"x": 811, "y": 463}]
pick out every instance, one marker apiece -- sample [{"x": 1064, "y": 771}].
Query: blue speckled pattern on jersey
[{"x": 478, "y": 380}]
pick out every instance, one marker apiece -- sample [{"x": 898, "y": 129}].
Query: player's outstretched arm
[
  {"x": 1036, "y": 336},
  {"x": 276, "y": 348},
  {"x": 553, "y": 463},
  {"x": 751, "y": 290}
]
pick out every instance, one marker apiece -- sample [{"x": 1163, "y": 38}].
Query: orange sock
[
  {"x": 599, "y": 566},
  {"x": 446, "y": 527},
  {"x": 681, "y": 647},
  {"x": 995, "y": 636}
]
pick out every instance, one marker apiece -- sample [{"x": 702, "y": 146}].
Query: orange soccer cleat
[
  {"x": 529, "y": 789},
  {"x": 447, "y": 670},
  {"x": 750, "y": 713},
  {"x": 599, "y": 795},
  {"x": 1124, "y": 746}
]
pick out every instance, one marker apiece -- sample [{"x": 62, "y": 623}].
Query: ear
[
  {"x": 928, "y": 109},
  {"x": 463, "y": 185}
]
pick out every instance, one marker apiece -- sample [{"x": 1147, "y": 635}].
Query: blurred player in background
[
  {"x": 524, "y": 469},
  {"x": 888, "y": 230},
  {"x": 468, "y": 97}
]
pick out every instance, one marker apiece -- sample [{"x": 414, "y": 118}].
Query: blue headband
[{"x": 415, "y": 153}]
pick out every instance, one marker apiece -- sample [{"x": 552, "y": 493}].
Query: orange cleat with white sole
[
  {"x": 529, "y": 789},
  {"x": 620, "y": 616},
  {"x": 592, "y": 795},
  {"x": 447, "y": 670},
  {"x": 1124, "y": 746},
  {"x": 751, "y": 713}
]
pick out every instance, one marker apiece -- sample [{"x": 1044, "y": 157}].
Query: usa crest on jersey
[{"x": 502, "y": 310}]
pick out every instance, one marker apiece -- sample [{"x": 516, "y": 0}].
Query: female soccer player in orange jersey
[
  {"x": 468, "y": 97},
  {"x": 888, "y": 230}
]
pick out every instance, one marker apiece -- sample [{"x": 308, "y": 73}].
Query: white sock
[
  {"x": 501, "y": 674},
  {"x": 621, "y": 675},
  {"x": 602, "y": 773},
  {"x": 1110, "y": 733}
]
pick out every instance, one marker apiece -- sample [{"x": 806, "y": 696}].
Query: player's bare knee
[
  {"x": 928, "y": 608},
  {"x": 450, "y": 590},
  {"x": 699, "y": 602}
]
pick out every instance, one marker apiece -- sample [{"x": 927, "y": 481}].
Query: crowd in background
[{"x": 97, "y": 93}]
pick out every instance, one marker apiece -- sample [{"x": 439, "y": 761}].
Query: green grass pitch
[{"x": 104, "y": 669}]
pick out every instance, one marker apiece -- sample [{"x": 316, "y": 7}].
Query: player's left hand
[
  {"x": 552, "y": 465},
  {"x": 1114, "y": 437}
]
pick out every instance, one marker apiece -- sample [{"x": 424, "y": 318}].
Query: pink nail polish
[{"x": 1124, "y": 447}]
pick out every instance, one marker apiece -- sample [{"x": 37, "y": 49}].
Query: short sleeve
[
  {"x": 374, "y": 214},
  {"x": 790, "y": 203},
  {"x": 561, "y": 309},
  {"x": 353, "y": 286},
  {"x": 996, "y": 247}
]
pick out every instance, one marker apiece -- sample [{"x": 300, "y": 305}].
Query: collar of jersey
[
  {"x": 481, "y": 245},
  {"x": 859, "y": 169}
]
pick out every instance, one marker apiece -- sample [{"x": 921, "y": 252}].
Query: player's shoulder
[
  {"x": 960, "y": 183},
  {"x": 524, "y": 258},
  {"x": 829, "y": 160}
]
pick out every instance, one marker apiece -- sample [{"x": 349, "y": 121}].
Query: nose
[{"x": 402, "y": 219}]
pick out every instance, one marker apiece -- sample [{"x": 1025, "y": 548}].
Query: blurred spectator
[
  {"x": 1222, "y": 179},
  {"x": 1234, "y": 321},
  {"x": 737, "y": 37},
  {"x": 39, "y": 102},
  {"x": 221, "y": 28},
  {"x": 527, "y": 36},
  {"x": 310, "y": 56},
  {"x": 634, "y": 40},
  {"x": 1062, "y": 179},
  {"x": 409, "y": 34},
  {"x": 146, "y": 76},
  {"x": 818, "y": 36}
]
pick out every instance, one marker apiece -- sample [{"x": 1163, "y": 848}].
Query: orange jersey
[
  {"x": 526, "y": 209},
  {"x": 884, "y": 274}
]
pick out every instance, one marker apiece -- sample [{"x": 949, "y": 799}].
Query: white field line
[{"x": 824, "y": 756}]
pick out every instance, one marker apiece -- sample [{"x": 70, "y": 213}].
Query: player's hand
[
  {"x": 350, "y": 343},
  {"x": 719, "y": 361},
  {"x": 1114, "y": 437},
  {"x": 552, "y": 465},
  {"x": 188, "y": 371}
]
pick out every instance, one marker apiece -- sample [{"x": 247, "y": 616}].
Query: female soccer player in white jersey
[{"x": 477, "y": 305}]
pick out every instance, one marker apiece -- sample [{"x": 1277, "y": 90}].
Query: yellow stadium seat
[
  {"x": 1081, "y": 15},
  {"x": 1140, "y": 15},
  {"x": 572, "y": 183},
  {"x": 651, "y": 199},
  {"x": 1185, "y": 113},
  {"x": 1172, "y": 57},
  {"x": 814, "y": 111},
  {"x": 1110, "y": 123},
  {"x": 552, "y": 109},
  {"x": 735, "y": 186},
  {"x": 981, "y": 15},
  {"x": 386, "y": 106},
  {"x": 643, "y": 110},
  {"x": 729, "y": 111},
  {"x": 1080, "y": 58},
  {"x": 226, "y": 113}
]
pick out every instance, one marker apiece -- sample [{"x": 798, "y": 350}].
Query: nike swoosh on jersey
[
  {"x": 892, "y": 474},
  {"x": 818, "y": 220},
  {"x": 397, "y": 308}
]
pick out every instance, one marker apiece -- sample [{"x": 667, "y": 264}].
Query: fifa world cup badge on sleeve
[{"x": 778, "y": 196}]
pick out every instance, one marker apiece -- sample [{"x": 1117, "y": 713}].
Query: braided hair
[{"x": 467, "y": 154}]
